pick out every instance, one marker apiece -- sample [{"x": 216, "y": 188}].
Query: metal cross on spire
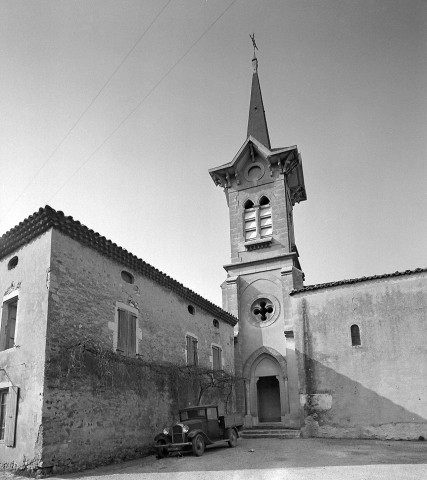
[{"x": 253, "y": 43}]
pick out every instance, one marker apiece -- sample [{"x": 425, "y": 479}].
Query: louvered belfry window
[
  {"x": 250, "y": 221},
  {"x": 126, "y": 335},
  {"x": 258, "y": 220},
  {"x": 266, "y": 226}
]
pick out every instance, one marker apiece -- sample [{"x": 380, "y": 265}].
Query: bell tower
[{"x": 262, "y": 185}]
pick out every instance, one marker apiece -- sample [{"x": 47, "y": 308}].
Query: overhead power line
[
  {"x": 142, "y": 101},
  {"x": 64, "y": 138}
]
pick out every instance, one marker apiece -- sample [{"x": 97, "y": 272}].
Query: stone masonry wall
[
  {"x": 84, "y": 425},
  {"x": 377, "y": 389}
]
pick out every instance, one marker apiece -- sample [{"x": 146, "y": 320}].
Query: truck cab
[{"x": 199, "y": 426}]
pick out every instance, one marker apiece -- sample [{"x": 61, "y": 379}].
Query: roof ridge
[
  {"x": 47, "y": 217},
  {"x": 318, "y": 286}
]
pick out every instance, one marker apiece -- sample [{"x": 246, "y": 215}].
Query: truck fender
[{"x": 193, "y": 433}]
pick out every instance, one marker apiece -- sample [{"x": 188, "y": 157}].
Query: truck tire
[
  {"x": 162, "y": 452},
  {"x": 198, "y": 445},
  {"x": 232, "y": 437}
]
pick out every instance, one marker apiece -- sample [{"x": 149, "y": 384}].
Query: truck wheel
[
  {"x": 232, "y": 437},
  {"x": 198, "y": 444},
  {"x": 162, "y": 452}
]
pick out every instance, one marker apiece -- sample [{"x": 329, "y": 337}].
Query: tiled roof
[
  {"x": 47, "y": 218},
  {"x": 356, "y": 280}
]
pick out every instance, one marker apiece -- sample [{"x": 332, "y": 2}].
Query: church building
[
  {"x": 99, "y": 350},
  {"x": 343, "y": 359}
]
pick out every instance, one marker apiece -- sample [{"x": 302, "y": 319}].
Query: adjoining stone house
[
  {"x": 98, "y": 349},
  {"x": 347, "y": 359}
]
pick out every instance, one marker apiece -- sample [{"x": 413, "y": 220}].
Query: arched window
[
  {"x": 250, "y": 221},
  {"x": 355, "y": 335},
  {"x": 266, "y": 229},
  {"x": 258, "y": 223}
]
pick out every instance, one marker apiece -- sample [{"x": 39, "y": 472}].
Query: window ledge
[{"x": 257, "y": 244}]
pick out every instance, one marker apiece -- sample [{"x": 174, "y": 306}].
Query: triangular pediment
[
  {"x": 251, "y": 148},
  {"x": 255, "y": 164}
]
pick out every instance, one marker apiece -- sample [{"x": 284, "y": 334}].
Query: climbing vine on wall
[{"x": 92, "y": 365}]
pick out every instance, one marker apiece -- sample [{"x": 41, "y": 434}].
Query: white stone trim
[{"x": 10, "y": 296}]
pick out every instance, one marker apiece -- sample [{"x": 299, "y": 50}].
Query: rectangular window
[
  {"x": 126, "y": 332},
  {"x": 8, "y": 324},
  {"x": 192, "y": 357},
  {"x": 3, "y": 402},
  {"x": 216, "y": 358}
]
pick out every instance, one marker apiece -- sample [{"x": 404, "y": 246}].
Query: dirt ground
[{"x": 275, "y": 458}]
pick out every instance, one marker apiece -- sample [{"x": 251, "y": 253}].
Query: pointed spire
[{"x": 257, "y": 123}]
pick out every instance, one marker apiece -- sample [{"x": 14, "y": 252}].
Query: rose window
[{"x": 263, "y": 309}]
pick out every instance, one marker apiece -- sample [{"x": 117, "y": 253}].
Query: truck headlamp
[
  {"x": 166, "y": 431},
  {"x": 185, "y": 428}
]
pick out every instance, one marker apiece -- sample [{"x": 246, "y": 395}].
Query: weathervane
[{"x": 253, "y": 43}]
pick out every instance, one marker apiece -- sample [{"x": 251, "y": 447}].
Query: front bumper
[{"x": 173, "y": 447}]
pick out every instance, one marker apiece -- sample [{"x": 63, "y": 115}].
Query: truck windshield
[{"x": 189, "y": 414}]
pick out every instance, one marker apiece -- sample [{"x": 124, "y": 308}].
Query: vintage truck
[{"x": 198, "y": 427}]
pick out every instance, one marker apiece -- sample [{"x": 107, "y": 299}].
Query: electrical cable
[
  {"x": 141, "y": 101},
  {"x": 88, "y": 107}
]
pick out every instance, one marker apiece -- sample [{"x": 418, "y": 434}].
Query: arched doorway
[{"x": 266, "y": 389}]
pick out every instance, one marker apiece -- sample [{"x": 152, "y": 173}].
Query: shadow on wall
[{"x": 337, "y": 406}]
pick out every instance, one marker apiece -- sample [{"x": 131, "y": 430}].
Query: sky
[{"x": 113, "y": 112}]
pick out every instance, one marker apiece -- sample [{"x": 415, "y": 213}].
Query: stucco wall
[
  {"x": 377, "y": 389},
  {"x": 83, "y": 427},
  {"x": 24, "y": 364}
]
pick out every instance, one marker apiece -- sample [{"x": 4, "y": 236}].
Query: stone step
[{"x": 270, "y": 433}]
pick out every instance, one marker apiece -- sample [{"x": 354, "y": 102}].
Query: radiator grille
[{"x": 177, "y": 435}]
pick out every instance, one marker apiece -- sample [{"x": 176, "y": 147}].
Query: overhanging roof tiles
[
  {"x": 47, "y": 218},
  {"x": 319, "y": 286}
]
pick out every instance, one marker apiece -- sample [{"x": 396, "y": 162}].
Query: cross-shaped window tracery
[{"x": 263, "y": 309}]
